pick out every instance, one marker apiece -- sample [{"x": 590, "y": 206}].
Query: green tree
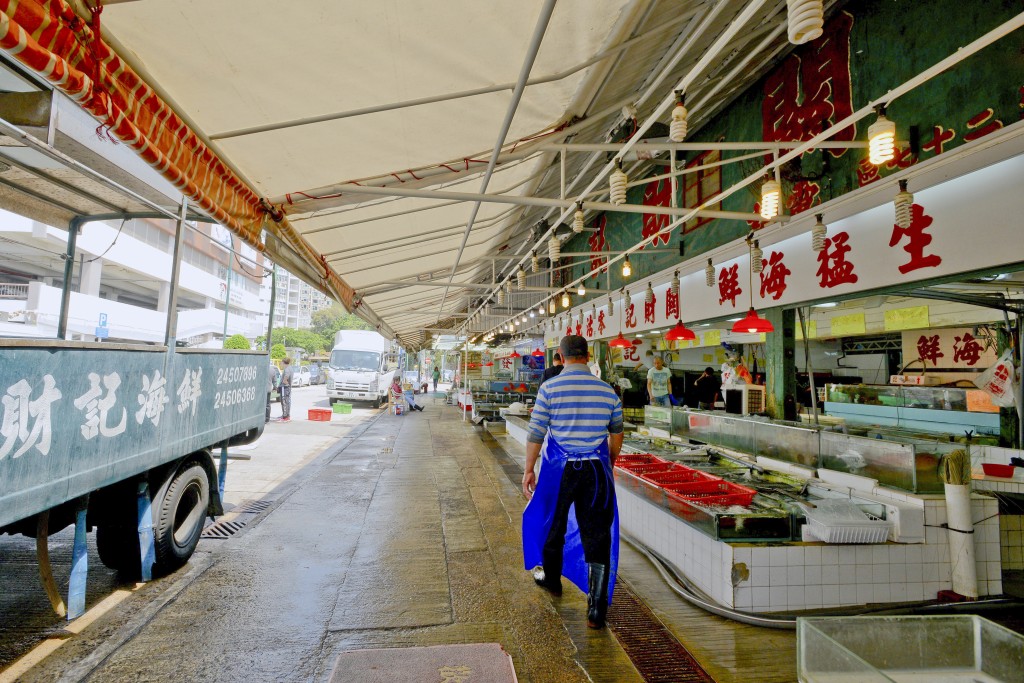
[
  {"x": 277, "y": 351},
  {"x": 326, "y": 322},
  {"x": 236, "y": 341},
  {"x": 308, "y": 341}
]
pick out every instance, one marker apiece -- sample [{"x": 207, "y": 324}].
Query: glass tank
[
  {"x": 906, "y": 396},
  {"x": 658, "y": 417}
]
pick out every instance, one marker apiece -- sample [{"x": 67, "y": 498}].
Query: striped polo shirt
[{"x": 577, "y": 408}]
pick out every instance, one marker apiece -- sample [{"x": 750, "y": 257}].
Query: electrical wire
[{"x": 119, "y": 229}]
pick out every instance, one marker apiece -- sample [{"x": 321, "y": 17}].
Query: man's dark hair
[
  {"x": 573, "y": 346},
  {"x": 709, "y": 370},
  {"x": 286, "y": 360}
]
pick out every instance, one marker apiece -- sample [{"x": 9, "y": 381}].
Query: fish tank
[
  {"x": 906, "y": 649},
  {"x": 658, "y": 417}
]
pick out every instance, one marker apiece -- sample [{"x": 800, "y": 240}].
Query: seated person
[{"x": 397, "y": 393}]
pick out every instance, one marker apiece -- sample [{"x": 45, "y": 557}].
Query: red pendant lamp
[
  {"x": 753, "y": 323},
  {"x": 680, "y": 333},
  {"x": 537, "y": 353},
  {"x": 620, "y": 342},
  {"x": 515, "y": 354}
]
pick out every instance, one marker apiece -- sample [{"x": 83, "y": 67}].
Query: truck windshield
[{"x": 342, "y": 359}]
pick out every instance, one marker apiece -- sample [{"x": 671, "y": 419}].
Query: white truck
[{"x": 361, "y": 367}]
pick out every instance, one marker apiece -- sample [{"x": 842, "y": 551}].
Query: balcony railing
[{"x": 12, "y": 291}]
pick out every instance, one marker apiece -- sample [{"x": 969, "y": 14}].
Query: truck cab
[{"x": 360, "y": 368}]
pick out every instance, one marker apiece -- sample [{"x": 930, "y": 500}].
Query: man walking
[
  {"x": 286, "y": 390},
  {"x": 659, "y": 383},
  {"x": 570, "y": 525}
]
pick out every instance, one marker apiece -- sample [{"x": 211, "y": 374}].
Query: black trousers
[{"x": 587, "y": 485}]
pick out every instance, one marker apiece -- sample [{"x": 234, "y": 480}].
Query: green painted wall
[{"x": 889, "y": 42}]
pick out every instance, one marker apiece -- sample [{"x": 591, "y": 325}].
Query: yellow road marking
[{"x": 50, "y": 645}]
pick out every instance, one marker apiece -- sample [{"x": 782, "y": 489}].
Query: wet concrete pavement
[{"x": 404, "y": 533}]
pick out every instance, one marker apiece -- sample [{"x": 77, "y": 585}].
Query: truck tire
[
  {"x": 332, "y": 401},
  {"x": 180, "y": 508},
  {"x": 118, "y": 548}
]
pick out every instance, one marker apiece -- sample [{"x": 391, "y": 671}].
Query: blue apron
[{"x": 540, "y": 512}]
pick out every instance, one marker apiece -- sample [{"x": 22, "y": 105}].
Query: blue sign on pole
[
  {"x": 103, "y": 320},
  {"x": 102, "y": 332}
]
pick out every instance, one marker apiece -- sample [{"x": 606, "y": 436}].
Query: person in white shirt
[{"x": 659, "y": 383}]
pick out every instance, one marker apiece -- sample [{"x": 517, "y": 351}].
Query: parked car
[
  {"x": 302, "y": 377},
  {"x": 316, "y": 375}
]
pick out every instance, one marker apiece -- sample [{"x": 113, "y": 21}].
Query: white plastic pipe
[{"x": 961, "y": 539}]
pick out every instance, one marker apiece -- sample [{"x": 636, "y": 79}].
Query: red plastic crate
[
  {"x": 638, "y": 458},
  {"x": 679, "y": 475},
  {"x": 719, "y": 492},
  {"x": 645, "y": 468},
  {"x": 319, "y": 415}
]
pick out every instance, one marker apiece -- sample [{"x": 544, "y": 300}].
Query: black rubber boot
[
  {"x": 540, "y": 577},
  {"x": 597, "y": 595}
]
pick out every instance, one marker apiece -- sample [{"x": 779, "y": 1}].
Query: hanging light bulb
[
  {"x": 500, "y": 296},
  {"x": 593, "y": 311},
  {"x": 554, "y": 249},
  {"x": 675, "y": 284},
  {"x": 617, "y": 184},
  {"x": 771, "y": 198},
  {"x": 577, "y": 218},
  {"x": 904, "y": 203},
  {"x": 581, "y": 290},
  {"x": 532, "y": 314},
  {"x": 881, "y": 139},
  {"x": 565, "y": 300},
  {"x": 535, "y": 262},
  {"x": 627, "y": 268},
  {"x": 818, "y": 234},
  {"x": 709, "y": 274},
  {"x": 756, "y": 258},
  {"x": 552, "y": 307},
  {"x": 611, "y": 306},
  {"x": 649, "y": 294},
  {"x": 677, "y": 130},
  {"x": 521, "y": 279},
  {"x": 540, "y": 310},
  {"x": 523, "y": 320},
  {"x": 806, "y": 20}
]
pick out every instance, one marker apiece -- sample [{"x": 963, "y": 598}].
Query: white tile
[
  {"x": 830, "y": 596},
  {"x": 847, "y": 555},
  {"x": 865, "y": 554},
  {"x": 914, "y": 554},
  {"x": 778, "y": 576},
  {"x": 898, "y": 592},
  {"x": 880, "y": 554},
  {"x": 812, "y": 575},
  {"x": 741, "y": 555},
  {"x": 778, "y": 597},
  {"x": 796, "y": 597},
  {"x": 813, "y": 596},
  {"x": 983, "y": 588},
  {"x": 795, "y": 576},
  {"x": 812, "y": 555},
  {"x": 865, "y": 573},
  {"x": 848, "y": 595},
  {"x": 915, "y": 592},
  {"x": 897, "y": 573},
  {"x": 897, "y": 554},
  {"x": 743, "y": 598},
  {"x": 880, "y": 574},
  {"x": 848, "y": 574},
  {"x": 931, "y": 572},
  {"x": 995, "y": 587},
  {"x": 759, "y": 576},
  {"x": 830, "y": 575},
  {"x": 795, "y": 556},
  {"x": 830, "y": 555},
  {"x": 865, "y": 594},
  {"x": 883, "y": 592},
  {"x": 760, "y": 597},
  {"x": 777, "y": 557},
  {"x": 993, "y": 571}
]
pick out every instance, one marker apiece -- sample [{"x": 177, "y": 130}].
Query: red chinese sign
[
  {"x": 917, "y": 240},
  {"x": 590, "y": 326},
  {"x": 729, "y": 284},
  {"x": 597, "y": 244},
  {"x": 833, "y": 267},
  {"x": 937, "y": 143},
  {"x": 600, "y": 322},
  {"x": 671, "y": 304},
  {"x": 967, "y": 349},
  {"x": 982, "y": 124},
  {"x": 631, "y": 315},
  {"x": 649, "y": 309},
  {"x": 657, "y": 193},
  {"x": 810, "y": 91},
  {"x": 928, "y": 349},
  {"x": 773, "y": 277},
  {"x": 804, "y": 195}
]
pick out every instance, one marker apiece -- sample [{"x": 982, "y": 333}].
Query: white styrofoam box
[
  {"x": 907, "y": 523},
  {"x": 847, "y": 480},
  {"x": 785, "y": 467}
]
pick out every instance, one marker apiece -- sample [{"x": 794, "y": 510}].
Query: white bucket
[{"x": 961, "y": 539}]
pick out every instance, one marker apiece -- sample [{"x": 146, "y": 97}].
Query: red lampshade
[
  {"x": 515, "y": 354},
  {"x": 753, "y": 324},
  {"x": 620, "y": 342},
  {"x": 489, "y": 363},
  {"x": 680, "y": 333},
  {"x": 637, "y": 342},
  {"x": 537, "y": 352}
]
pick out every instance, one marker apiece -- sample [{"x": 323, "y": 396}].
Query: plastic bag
[{"x": 1000, "y": 381}]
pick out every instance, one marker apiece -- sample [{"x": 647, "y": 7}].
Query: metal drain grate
[
  {"x": 655, "y": 653},
  {"x": 222, "y": 530},
  {"x": 385, "y": 451},
  {"x": 253, "y": 506}
]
